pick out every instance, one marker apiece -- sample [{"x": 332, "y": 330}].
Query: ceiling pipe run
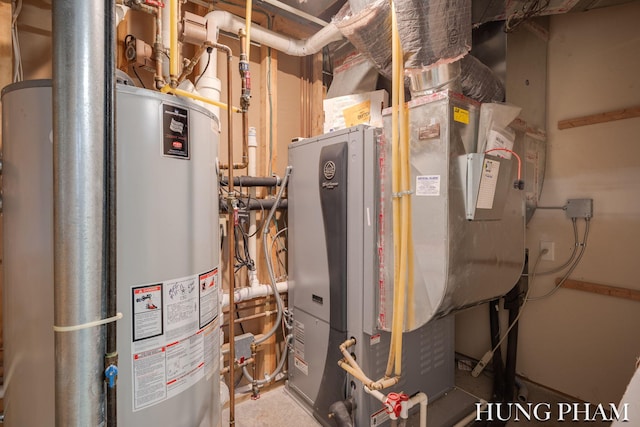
[
  {"x": 221, "y": 20},
  {"x": 209, "y": 85},
  {"x": 80, "y": 131}
]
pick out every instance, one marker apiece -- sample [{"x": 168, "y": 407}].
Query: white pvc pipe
[
  {"x": 221, "y": 20},
  {"x": 121, "y": 12},
  {"x": 252, "y": 169},
  {"x": 247, "y": 293},
  {"x": 423, "y": 400},
  {"x": 471, "y": 417},
  {"x": 210, "y": 86}
]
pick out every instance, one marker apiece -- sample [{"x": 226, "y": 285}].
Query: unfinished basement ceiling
[{"x": 483, "y": 10}]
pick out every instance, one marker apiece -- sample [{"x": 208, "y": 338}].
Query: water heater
[{"x": 168, "y": 272}]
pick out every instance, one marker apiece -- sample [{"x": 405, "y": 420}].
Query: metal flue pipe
[{"x": 79, "y": 133}]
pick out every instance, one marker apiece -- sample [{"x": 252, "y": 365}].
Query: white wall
[{"x": 584, "y": 344}]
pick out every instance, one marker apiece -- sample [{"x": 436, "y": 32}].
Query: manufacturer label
[
  {"x": 461, "y": 115},
  {"x": 428, "y": 185},
  {"x": 378, "y": 418},
  {"x": 488, "y": 182},
  {"x": 375, "y": 339},
  {"x": 301, "y": 365},
  {"x": 329, "y": 170},
  {"x": 175, "y": 131},
  {"x": 429, "y": 132},
  {"x": 175, "y": 334},
  {"x": 298, "y": 339}
]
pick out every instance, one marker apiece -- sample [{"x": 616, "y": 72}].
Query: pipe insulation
[
  {"x": 432, "y": 34},
  {"x": 221, "y": 20},
  {"x": 80, "y": 129}
]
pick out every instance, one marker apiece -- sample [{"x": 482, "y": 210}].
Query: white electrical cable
[
  {"x": 267, "y": 255},
  {"x": 18, "y": 74},
  {"x": 489, "y": 354},
  {"x": 88, "y": 324},
  {"x": 576, "y": 244},
  {"x": 583, "y": 247}
]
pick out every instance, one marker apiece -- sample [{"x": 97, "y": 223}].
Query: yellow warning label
[
  {"x": 357, "y": 114},
  {"x": 461, "y": 115}
]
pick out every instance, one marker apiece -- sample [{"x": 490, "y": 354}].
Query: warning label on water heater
[
  {"x": 175, "y": 326},
  {"x": 175, "y": 131}
]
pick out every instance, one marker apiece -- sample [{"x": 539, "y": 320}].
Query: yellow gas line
[
  {"x": 180, "y": 92},
  {"x": 247, "y": 24},
  {"x": 174, "y": 57}
]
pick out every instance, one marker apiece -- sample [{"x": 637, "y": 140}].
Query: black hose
[
  {"x": 498, "y": 366},
  {"x": 109, "y": 245},
  {"x": 252, "y": 181},
  {"x": 256, "y": 204},
  {"x": 341, "y": 411}
]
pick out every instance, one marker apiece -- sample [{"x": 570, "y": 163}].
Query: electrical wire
[
  {"x": 205, "y": 67},
  {"x": 138, "y": 76},
  {"x": 529, "y": 9},
  {"x": 566, "y": 264},
  {"x": 485, "y": 359},
  {"x": 512, "y": 152},
  {"x": 526, "y": 298},
  {"x": 18, "y": 74},
  {"x": 576, "y": 244},
  {"x": 583, "y": 247},
  {"x": 489, "y": 354}
]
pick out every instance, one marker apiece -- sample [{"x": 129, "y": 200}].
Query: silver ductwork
[
  {"x": 435, "y": 37},
  {"x": 79, "y": 138}
]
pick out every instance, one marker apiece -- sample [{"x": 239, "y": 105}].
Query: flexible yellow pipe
[
  {"x": 399, "y": 306},
  {"x": 395, "y": 185},
  {"x": 180, "y": 92},
  {"x": 247, "y": 25},
  {"x": 174, "y": 56}
]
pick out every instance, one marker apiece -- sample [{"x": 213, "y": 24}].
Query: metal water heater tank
[{"x": 167, "y": 264}]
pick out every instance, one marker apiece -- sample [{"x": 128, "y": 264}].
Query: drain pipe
[
  {"x": 79, "y": 130},
  {"x": 110, "y": 230},
  {"x": 253, "y": 229}
]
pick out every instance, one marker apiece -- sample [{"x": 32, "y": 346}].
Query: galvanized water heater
[{"x": 167, "y": 263}]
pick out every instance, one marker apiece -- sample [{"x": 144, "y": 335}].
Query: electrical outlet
[{"x": 551, "y": 250}]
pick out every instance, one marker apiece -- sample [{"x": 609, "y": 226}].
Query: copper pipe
[
  {"x": 244, "y": 106},
  {"x": 230, "y": 238},
  {"x": 194, "y": 61},
  {"x": 258, "y": 302},
  {"x": 251, "y": 317},
  {"x": 151, "y": 10},
  {"x": 239, "y": 365},
  {"x": 158, "y": 48}
]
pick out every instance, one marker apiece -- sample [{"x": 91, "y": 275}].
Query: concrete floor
[{"x": 277, "y": 407}]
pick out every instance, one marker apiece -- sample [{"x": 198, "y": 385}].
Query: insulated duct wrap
[
  {"x": 433, "y": 32},
  {"x": 369, "y": 30},
  {"x": 479, "y": 82}
]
